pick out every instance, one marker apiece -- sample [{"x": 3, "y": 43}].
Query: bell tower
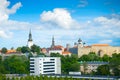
[{"x": 30, "y": 41}]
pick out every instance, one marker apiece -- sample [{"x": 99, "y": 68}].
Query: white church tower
[{"x": 30, "y": 41}]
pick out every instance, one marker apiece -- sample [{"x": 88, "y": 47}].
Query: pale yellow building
[{"x": 99, "y": 49}]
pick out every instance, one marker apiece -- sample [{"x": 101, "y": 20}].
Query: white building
[
  {"x": 30, "y": 41},
  {"x": 55, "y": 51},
  {"x": 45, "y": 65}
]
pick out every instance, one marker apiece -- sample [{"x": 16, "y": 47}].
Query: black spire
[
  {"x": 53, "y": 42},
  {"x": 79, "y": 40},
  {"x": 30, "y": 36}
]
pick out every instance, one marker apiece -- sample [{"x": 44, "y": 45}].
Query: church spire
[
  {"x": 30, "y": 41},
  {"x": 53, "y": 42},
  {"x": 30, "y": 36}
]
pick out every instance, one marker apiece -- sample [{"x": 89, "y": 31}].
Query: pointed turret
[
  {"x": 80, "y": 43},
  {"x": 30, "y": 41},
  {"x": 30, "y": 36},
  {"x": 53, "y": 42}
]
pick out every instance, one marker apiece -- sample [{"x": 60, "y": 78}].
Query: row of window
[
  {"x": 48, "y": 65},
  {"x": 49, "y": 71},
  {"x": 48, "y": 62},
  {"x": 48, "y": 68}
]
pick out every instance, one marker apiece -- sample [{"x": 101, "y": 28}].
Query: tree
[
  {"x": 4, "y": 50},
  {"x": 16, "y": 64},
  {"x": 105, "y": 58},
  {"x": 93, "y": 57},
  {"x": 35, "y": 48},
  {"x": 84, "y": 58},
  {"x": 103, "y": 70},
  {"x": 75, "y": 67},
  {"x": 84, "y": 67},
  {"x": 19, "y": 49},
  {"x": 115, "y": 64},
  {"x": 25, "y": 49}
]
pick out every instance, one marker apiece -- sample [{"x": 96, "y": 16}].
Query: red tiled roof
[
  {"x": 66, "y": 52},
  {"x": 11, "y": 51},
  {"x": 100, "y": 45}
]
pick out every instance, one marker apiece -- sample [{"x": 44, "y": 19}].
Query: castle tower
[
  {"x": 53, "y": 42},
  {"x": 30, "y": 41},
  {"x": 80, "y": 43}
]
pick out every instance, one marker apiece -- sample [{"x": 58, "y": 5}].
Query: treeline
[
  {"x": 112, "y": 68},
  {"x": 71, "y": 63},
  {"x": 24, "y": 49},
  {"x": 20, "y": 64},
  {"x": 68, "y": 63},
  {"x": 41, "y": 77},
  {"x": 14, "y": 65}
]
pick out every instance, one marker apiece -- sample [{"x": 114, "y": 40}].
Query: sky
[{"x": 94, "y": 21}]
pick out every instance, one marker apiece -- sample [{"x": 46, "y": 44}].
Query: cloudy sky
[{"x": 94, "y": 21}]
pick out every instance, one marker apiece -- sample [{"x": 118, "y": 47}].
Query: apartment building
[{"x": 45, "y": 65}]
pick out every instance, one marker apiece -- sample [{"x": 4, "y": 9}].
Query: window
[
  {"x": 31, "y": 65},
  {"x": 31, "y": 62},
  {"x": 48, "y": 65},
  {"x": 31, "y": 71},
  {"x": 49, "y": 71},
  {"x": 52, "y": 59},
  {"x": 31, "y": 59},
  {"x": 31, "y": 68},
  {"x": 48, "y": 62},
  {"x": 48, "y": 68}
]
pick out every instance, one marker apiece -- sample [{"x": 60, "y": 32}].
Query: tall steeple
[
  {"x": 30, "y": 41},
  {"x": 53, "y": 42},
  {"x": 30, "y": 36}
]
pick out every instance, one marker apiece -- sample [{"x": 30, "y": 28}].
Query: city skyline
[{"x": 92, "y": 21}]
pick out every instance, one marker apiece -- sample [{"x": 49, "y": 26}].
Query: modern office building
[{"x": 45, "y": 65}]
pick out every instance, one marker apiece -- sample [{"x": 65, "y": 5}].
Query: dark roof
[{"x": 94, "y": 62}]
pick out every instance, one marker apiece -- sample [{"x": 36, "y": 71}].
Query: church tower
[
  {"x": 53, "y": 42},
  {"x": 80, "y": 43},
  {"x": 30, "y": 41}
]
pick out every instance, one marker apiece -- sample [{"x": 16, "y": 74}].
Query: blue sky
[{"x": 94, "y": 21}]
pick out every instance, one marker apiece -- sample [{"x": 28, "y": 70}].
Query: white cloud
[
  {"x": 109, "y": 24},
  {"x": 5, "y": 34},
  {"x": 106, "y": 41},
  {"x": 14, "y": 8},
  {"x": 59, "y": 17},
  {"x": 5, "y": 23},
  {"x": 82, "y": 3},
  {"x": 5, "y": 11}
]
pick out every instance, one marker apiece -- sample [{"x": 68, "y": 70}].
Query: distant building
[
  {"x": 30, "y": 41},
  {"x": 91, "y": 66},
  {"x": 65, "y": 53},
  {"x": 58, "y": 49},
  {"x": 45, "y": 65},
  {"x": 100, "y": 49}
]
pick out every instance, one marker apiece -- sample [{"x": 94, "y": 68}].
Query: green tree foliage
[
  {"x": 115, "y": 64},
  {"x": 16, "y": 65},
  {"x": 103, "y": 70},
  {"x": 90, "y": 57},
  {"x": 25, "y": 49},
  {"x": 35, "y": 48},
  {"x": 68, "y": 63},
  {"x": 75, "y": 67},
  {"x": 4, "y": 50},
  {"x": 19, "y": 49},
  {"x": 105, "y": 58}
]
